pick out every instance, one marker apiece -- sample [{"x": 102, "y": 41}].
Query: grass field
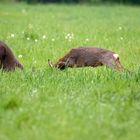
[{"x": 77, "y": 104}]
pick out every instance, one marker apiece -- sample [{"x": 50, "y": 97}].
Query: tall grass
[{"x": 74, "y": 104}]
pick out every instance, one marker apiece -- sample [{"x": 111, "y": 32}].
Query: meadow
[{"x": 40, "y": 103}]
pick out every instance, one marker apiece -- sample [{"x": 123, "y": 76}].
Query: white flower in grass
[
  {"x": 119, "y": 28},
  {"x": 44, "y": 36},
  {"x": 19, "y": 56},
  {"x": 121, "y": 38},
  {"x": 12, "y": 35},
  {"x": 33, "y": 92},
  {"x": 69, "y": 36},
  {"x": 66, "y": 37},
  {"x": 87, "y": 39},
  {"x": 36, "y": 40},
  {"x": 53, "y": 39},
  {"x": 28, "y": 38}
]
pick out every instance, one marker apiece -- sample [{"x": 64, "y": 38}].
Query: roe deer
[
  {"x": 8, "y": 61},
  {"x": 88, "y": 56}
]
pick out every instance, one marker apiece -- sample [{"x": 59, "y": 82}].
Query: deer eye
[{"x": 61, "y": 65}]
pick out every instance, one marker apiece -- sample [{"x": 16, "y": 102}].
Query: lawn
[{"x": 40, "y": 103}]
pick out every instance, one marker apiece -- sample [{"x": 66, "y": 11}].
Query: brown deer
[
  {"x": 8, "y": 61},
  {"x": 88, "y": 56}
]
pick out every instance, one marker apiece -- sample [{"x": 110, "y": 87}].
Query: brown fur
[
  {"x": 88, "y": 56},
  {"x": 8, "y": 61}
]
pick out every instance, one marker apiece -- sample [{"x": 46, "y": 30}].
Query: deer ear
[
  {"x": 61, "y": 65},
  {"x": 50, "y": 63}
]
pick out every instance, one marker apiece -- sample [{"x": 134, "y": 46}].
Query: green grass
[{"x": 77, "y": 104}]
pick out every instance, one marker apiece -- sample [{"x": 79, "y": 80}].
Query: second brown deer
[
  {"x": 8, "y": 61},
  {"x": 88, "y": 57}
]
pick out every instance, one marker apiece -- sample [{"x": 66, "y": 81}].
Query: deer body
[
  {"x": 8, "y": 61},
  {"x": 88, "y": 56}
]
